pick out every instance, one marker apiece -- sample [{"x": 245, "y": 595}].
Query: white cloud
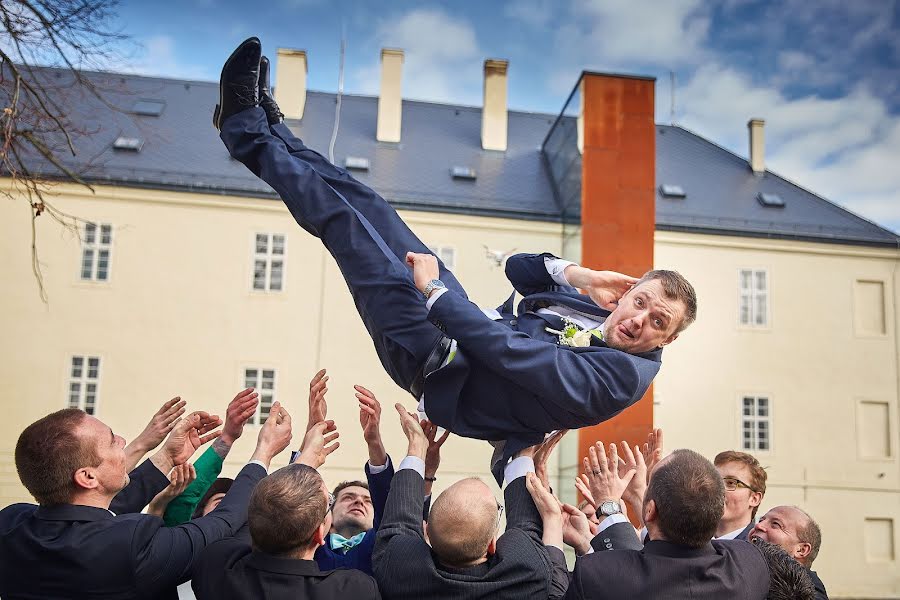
[
  {"x": 442, "y": 57},
  {"x": 840, "y": 148},
  {"x": 158, "y": 56}
]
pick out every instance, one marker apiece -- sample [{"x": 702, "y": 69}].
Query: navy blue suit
[
  {"x": 73, "y": 551},
  {"x": 360, "y": 556},
  {"x": 509, "y": 380}
]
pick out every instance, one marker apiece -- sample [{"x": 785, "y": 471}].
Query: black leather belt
[{"x": 432, "y": 363}]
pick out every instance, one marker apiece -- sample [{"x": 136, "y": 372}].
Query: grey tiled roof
[{"x": 182, "y": 151}]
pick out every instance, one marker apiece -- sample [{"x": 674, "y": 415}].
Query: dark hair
[
  {"x": 788, "y": 579},
  {"x": 286, "y": 508},
  {"x": 690, "y": 498},
  {"x": 810, "y": 534},
  {"x": 345, "y": 484},
  {"x": 219, "y": 486},
  {"x": 675, "y": 287},
  {"x": 48, "y": 454},
  {"x": 758, "y": 474}
]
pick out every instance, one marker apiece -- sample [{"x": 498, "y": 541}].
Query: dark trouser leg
[
  {"x": 373, "y": 207},
  {"x": 391, "y": 307}
]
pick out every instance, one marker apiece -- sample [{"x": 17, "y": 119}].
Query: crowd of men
[{"x": 107, "y": 525}]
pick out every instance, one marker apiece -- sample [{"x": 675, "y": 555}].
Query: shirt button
[
  {"x": 609, "y": 546},
  {"x": 606, "y": 540}
]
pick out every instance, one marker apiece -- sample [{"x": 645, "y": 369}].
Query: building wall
[
  {"x": 831, "y": 380},
  {"x": 178, "y": 317}
]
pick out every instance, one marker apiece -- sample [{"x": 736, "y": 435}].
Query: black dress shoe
[
  {"x": 266, "y": 99},
  {"x": 238, "y": 82}
]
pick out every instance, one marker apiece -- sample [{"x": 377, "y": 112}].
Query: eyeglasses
[
  {"x": 331, "y": 501},
  {"x": 499, "y": 515},
  {"x": 733, "y": 483}
]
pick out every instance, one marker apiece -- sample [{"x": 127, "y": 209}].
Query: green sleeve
[{"x": 208, "y": 467}]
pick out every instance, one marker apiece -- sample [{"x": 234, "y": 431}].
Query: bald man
[
  {"x": 798, "y": 534},
  {"x": 465, "y": 559}
]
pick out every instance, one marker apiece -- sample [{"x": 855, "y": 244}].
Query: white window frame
[
  {"x": 267, "y": 396},
  {"x": 93, "y": 244},
  {"x": 268, "y": 258},
  {"x": 82, "y": 379},
  {"x": 443, "y": 252},
  {"x": 753, "y": 420},
  {"x": 751, "y": 295}
]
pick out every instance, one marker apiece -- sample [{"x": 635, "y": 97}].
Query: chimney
[
  {"x": 390, "y": 102},
  {"x": 757, "y": 146},
  {"x": 290, "y": 82},
  {"x": 493, "y": 115}
]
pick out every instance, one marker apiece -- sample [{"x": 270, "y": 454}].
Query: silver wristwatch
[
  {"x": 432, "y": 285},
  {"x": 609, "y": 507}
]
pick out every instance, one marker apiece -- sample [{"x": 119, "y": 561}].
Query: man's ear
[
  {"x": 650, "y": 513},
  {"x": 320, "y": 534},
  {"x": 669, "y": 340},
  {"x": 756, "y": 499},
  {"x": 86, "y": 478},
  {"x": 492, "y": 546},
  {"x": 801, "y": 551},
  {"x": 425, "y": 531}
]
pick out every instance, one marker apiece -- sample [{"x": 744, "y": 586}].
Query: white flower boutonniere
[{"x": 574, "y": 335}]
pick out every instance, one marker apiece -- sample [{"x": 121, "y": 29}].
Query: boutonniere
[{"x": 574, "y": 335}]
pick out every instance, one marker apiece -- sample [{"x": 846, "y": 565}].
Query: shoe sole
[{"x": 217, "y": 112}]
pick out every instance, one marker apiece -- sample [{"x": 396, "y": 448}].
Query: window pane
[
  {"x": 762, "y": 426},
  {"x": 748, "y": 401},
  {"x": 763, "y": 411},
  {"x": 73, "y": 400},
  {"x": 259, "y": 275},
  {"x": 262, "y": 243},
  {"x": 250, "y": 378},
  {"x": 275, "y": 275},
  {"x": 93, "y": 361},
  {"x": 102, "y": 264},
  {"x": 90, "y": 233},
  {"x": 87, "y": 264},
  {"x": 763, "y": 445},
  {"x": 76, "y": 369},
  {"x": 761, "y": 309},
  {"x": 106, "y": 234},
  {"x": 762, "y": 401},
  {"x": 761, "y": 281},
  {"x": 745, "y": 310},
  {"x": 748, "y": 411},
  {"x": 448, "y": 256},
  {"x": 268, "y": 379},
  {"x": 265, "y": 405},
  {"x": 277, "y": 244},
  {"x": 745, "y": 279}
]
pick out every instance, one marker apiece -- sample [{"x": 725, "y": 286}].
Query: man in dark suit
[
  {"x": 745, "y": 488},
  {"x": 289, "y": 517},
  {"x": 465, "y": 559},
  {"x": 358, "y": 506},
  {"x": 791, "y": 528},
  {"x": 562, "y": 361},
  {"x": 72, "y": 546},
  {"x": 683, "y": 503}
]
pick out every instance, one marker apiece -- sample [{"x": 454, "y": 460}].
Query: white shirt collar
[{"x": 731, "y": 534}]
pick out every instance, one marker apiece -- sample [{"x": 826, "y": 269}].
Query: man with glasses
[
  {"x": 289, "y": 517},
  {"x": 466, "y": 558},
  {"x": 745, "y": 487}
]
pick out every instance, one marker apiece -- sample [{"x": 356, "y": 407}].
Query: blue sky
[{"x": 825, "y": 74}]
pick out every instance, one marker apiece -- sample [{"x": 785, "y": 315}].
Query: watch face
[{"x": 610, "y": 508}]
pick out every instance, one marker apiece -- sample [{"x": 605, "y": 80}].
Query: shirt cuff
[
  {"x": 555, "y": 546},
  {"x": 612, "y": 520},
  {"x": 376, "y": 469},
  {"x": 413, "y": 462},
  {"x": 260, "y": 463},
  {"x": 518, "y": 467},
  {"x": 434, "y": 296},
  {"x": 556, "y": 267}
]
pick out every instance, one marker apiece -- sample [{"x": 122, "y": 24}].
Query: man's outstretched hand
[
  {"x": 274, "y": 436},
  {"x": 155, "y": 432},
  {"x": 189, "y": 434},
  {"x": 320, "y": 441},
  {"x": 424, "y": 267},
  {"x": 418, "y": 442}
]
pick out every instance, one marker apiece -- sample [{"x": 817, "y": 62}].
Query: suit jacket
[
  {"x": 73, "y": 551},
  {"x": 360, "y": 556},
  {"x": 230, "y": 570},
  {"x": 821, "y": 594},
  {"x": 535, "y": 385},
  {"x": 145, "y": 482},
  {"x": 406, "y": 568},
  {"x": 720, "y": 569},
  {"x": 744, "y": 535}
]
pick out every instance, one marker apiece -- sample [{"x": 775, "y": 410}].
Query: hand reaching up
[
  {"x": 604, "y": 479},
  {"x": 275, "y": 434},
  {"x": 161, "y": 423},
  {"x": 318, "y": 408},
  {"x": 240, "y": 409},
  {"x": 542, "y": 455},
  {"x": 418, "y": 443},
  {"x": 370, "y": 421},
  {"x": 179, "y": 479},
  {"x": 320, "y": 441}
]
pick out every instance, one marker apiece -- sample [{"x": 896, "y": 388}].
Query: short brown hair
[
  {"x": 49, "y": 452},
  {"x": 345, "y": 484},
  {"x": 285, "y": 509},
  {"x": 758, "y": 474},
  {"x": 811, "y": 534},
  {"x": 690, "y": 498},
  {"x": 675, "y": 287}
]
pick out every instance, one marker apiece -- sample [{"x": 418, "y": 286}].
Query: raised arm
[
  {"x": 403, "y": 509},
  {"x": 528, "y": 273},
  {"x": 379, "y": 469},
  {"x": 155, "y": 432}
]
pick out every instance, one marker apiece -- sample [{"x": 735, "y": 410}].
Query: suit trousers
[{"x": 364, "y": 234}]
